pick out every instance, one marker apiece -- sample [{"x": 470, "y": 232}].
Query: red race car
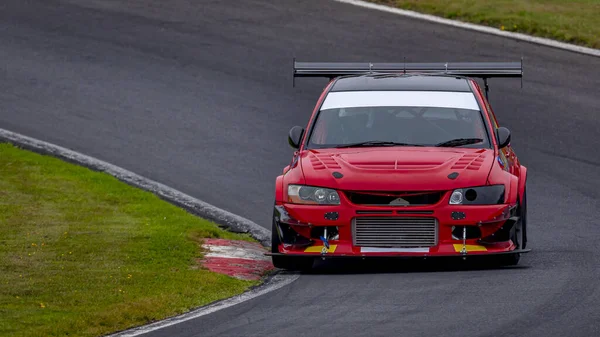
[{"x": 403, "y": 160}]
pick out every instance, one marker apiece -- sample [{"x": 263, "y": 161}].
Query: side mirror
[
  {"x": 503, "y": 135},
  {"x": 295, "y": 136}
]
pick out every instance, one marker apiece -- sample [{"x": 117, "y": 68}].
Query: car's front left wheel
[{"x": 293, "y": 263}]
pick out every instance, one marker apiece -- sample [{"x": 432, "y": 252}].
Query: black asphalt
[{"x": 198, "y": 95}]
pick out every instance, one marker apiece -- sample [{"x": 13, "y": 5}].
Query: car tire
[
  {"x": 524, "y": 219},
  {"x": 292, "y": 263},
  {"x": 519, "y": 235}
]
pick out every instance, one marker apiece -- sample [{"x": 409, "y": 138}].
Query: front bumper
[{"x": 330, "y": 231}]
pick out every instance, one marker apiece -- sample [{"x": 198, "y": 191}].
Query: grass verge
[
  {"x": 575, "y": 21},
  {"x": 83, "y": 254}
]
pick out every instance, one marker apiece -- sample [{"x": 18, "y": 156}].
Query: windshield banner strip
[{"x": 351, "y": 99}]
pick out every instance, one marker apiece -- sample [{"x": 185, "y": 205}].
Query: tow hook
[
  {"x": 464, "y": 238},
  {"x": 325, "y": 242}
]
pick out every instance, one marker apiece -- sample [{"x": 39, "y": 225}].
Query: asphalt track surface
[{"x": 197, "y": 95}]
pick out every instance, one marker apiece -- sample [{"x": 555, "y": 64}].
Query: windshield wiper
[
  {"x": 459, "y": 142},
  {"x": 376, "y": 143}
]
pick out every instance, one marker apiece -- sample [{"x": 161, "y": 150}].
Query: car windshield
[{"x": 393, "y": 118}]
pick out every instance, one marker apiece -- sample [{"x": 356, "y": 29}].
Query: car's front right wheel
[{"x": 519, "y": 235}]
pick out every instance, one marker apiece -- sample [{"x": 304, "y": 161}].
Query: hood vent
[
  {"x": 470, "y": 162},
  {"x": 321, "y": 162}
]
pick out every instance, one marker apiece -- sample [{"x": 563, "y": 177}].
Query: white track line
[
  {"x": 478, "y": 28},
  {"x": 277, "y": 282}
]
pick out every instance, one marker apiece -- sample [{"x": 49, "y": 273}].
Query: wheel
[
  {"x": 293, "y": 263},
  {"x": 524, "y": 219},
  {"x": 513, "y": 259},
  {"x": 519, "y": 235}
]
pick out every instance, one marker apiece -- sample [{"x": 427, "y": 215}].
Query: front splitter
[{"x": 403, "y": 256}]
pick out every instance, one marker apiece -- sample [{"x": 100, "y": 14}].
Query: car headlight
[
  {"x": 482, "y": 195},
  {"x": 300, "y": 194}
]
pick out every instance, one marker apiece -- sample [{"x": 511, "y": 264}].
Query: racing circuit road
[{"x": 198, "y": 95}]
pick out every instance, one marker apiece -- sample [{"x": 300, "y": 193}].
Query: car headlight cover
[
  {"x": 300, "y": 194},
  {"x": 482, "y": 195}
]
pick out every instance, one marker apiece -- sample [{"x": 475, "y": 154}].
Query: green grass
[
  {"x": 574, "y": 21},
  {"x": 83, "y": 254}
]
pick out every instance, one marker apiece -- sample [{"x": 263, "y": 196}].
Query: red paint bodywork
[{"x": 376, "y": 169}]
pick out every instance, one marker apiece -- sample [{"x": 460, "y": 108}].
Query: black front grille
[{"x": 394, "y": 198}]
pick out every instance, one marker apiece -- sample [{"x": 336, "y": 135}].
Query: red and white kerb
[{"x": 240, "y": 259}]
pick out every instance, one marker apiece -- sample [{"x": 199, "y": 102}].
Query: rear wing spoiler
[{"x": 483, "y": 70}]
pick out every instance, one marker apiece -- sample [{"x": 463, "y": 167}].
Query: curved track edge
[
  {"x": 475, "y": 27},
  {"x": 224, "y": 219}
]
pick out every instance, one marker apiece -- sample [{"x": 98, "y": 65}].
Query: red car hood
[{"x": 397, "y": 169}]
